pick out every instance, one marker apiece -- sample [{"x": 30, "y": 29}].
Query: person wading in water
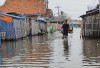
[{"x": 65, "y": 29}]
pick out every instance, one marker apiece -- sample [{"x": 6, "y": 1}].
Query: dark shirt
[{"x": 65, "y": 27}]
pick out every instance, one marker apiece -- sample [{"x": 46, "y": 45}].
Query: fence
[
  {"x": 14, "y": 28},
  {"x": 91, "y": 25}
]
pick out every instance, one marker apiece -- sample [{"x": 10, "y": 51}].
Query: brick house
[
  {"x": 26, "y": 7},
  {"x": 31, "y": 9}
]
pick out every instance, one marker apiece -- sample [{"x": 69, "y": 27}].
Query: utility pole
[
  {"x": 47, "y": 2},
  {"x": 58, "y": 7},
  {"x": 22, "y": 7}
]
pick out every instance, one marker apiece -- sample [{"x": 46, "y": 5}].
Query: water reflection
[
  {"x": 39, "y": 39},
  {"x": 91, "y": 50},
  {"x": 51, "y": 51},
  {"x": 25, "y": 53},
  {"x": 66, "y": 47}
]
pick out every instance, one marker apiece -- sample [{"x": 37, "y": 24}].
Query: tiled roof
[{"x": 27, "y": 7}]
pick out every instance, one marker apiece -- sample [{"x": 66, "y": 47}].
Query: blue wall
[{"x": 8, "y": 28}]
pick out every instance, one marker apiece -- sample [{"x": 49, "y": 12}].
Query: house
[
  {"x": 31, "y": 9},
  {"x": 55, "y": 23},
  {"x": 26, "y": 7},
  {"x": 91, "y": 23},
  {"x": 13, "y": 27}
]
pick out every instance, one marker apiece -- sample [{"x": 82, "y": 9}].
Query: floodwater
[{"x": 51, "y": 51}]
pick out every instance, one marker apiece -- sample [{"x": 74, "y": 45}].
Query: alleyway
[{"x": 51, "y": 51}]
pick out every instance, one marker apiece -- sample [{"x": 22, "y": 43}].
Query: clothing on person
[{"x": 65, "y": 29}]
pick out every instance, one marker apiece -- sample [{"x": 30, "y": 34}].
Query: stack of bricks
[{"x": 24, "y": 6}]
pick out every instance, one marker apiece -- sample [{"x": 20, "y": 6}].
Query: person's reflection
[{"x": 66, "y": 48}]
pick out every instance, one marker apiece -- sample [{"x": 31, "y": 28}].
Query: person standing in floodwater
[{"x": 65, "y": 29}]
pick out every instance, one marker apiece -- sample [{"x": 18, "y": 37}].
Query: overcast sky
[
  {"x": 2, "y": 1},
  {"x": 74, "y": 8}
]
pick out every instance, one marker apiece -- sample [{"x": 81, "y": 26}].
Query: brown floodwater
[{"x": 51, "y": 51}]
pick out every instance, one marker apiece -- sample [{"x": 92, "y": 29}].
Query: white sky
[
  {"x": 2, "y": 1},
  {"x": 74, "y": 8}
]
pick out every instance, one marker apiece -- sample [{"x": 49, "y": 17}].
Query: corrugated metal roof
[
  {"x": 17, "y": 17},
  {"x": 91, "y": 12}
]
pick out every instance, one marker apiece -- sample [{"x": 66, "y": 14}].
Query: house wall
[
  {"x": 91, "y": 26},
  {"x": 15, "y": 29},
  {"x": 35, "y": 27},
  {"x": 6, "y": 28}
]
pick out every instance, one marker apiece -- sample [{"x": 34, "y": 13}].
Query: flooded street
[{"x": 51, "y": 51}]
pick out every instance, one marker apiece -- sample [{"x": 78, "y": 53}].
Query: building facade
[{"x": 91, "y": 24}]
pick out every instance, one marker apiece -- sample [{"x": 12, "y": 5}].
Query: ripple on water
[{"x": 51, "y": 51}]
